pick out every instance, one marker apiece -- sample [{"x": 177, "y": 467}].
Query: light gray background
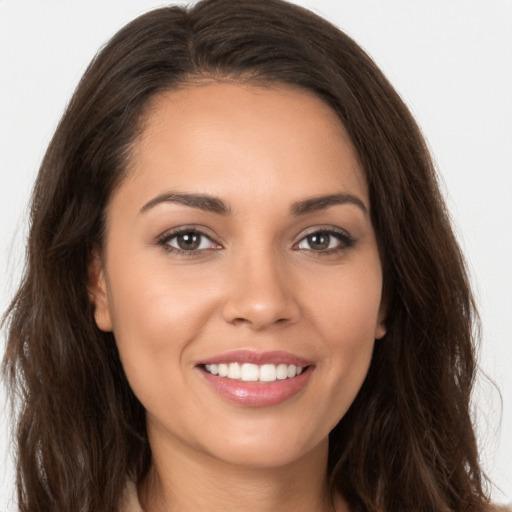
[{"x": 451, "y": 60}]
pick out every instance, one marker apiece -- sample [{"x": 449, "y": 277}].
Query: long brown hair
[{"x": 407, "y": 442}]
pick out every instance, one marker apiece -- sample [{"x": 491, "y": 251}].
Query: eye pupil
[
  {"x": 189, "y": 241},
  {"x": 319, "y": 241}
]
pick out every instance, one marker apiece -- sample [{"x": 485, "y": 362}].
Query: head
[{"x": 419, "y": 377}]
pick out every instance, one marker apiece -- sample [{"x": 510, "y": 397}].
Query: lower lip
[{"x": 257, "y": 394}]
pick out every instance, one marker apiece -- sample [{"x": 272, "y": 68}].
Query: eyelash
[
  {"x": 346, "y": 241},
  {"x": 166, "y": 237}
]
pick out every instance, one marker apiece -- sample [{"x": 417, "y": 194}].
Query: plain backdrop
[{"x": 451, "y": 60}]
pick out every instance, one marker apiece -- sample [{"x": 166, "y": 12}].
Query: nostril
[
  {"x": 258, "y": 323},
  {"x": 260, "y": 307}
]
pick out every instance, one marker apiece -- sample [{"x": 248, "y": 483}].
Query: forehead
[{"x": 245, "y": 141}]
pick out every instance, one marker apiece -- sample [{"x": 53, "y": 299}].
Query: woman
[{"x": 242, "y": 290}]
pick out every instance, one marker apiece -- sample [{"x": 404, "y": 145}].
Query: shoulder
[
  {"x": 500, "y": 508},
  {"x": 130, "y": 500}
]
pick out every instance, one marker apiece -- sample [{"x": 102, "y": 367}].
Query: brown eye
[
  {"x": 188, "y": 241},
  {"x": 326, "y": 241},
  {"x": 319, "y": 241}
]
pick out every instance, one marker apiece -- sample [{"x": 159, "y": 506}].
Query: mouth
[
  {"x": 256, "y": 379},
  {"x": 249, "y": 372}
]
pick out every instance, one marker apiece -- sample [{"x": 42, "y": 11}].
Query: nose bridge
[{"x": 260, "y": 293}]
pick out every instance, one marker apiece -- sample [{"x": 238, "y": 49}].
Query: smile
[
  {"x": 248, "y": 372},
  {"x": 256, "y": 379}
]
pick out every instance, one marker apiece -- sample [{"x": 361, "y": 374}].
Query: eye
[
  {"x": 325, "y": 241},
  {"x": 187, "y": 241}
]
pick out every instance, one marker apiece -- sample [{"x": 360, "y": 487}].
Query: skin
[{"x": 255, "y": 283}]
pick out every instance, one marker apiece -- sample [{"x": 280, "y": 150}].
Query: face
[{"x": 240, "y": 273}]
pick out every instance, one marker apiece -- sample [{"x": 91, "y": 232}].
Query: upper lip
[{"x": 256, "y": 357}]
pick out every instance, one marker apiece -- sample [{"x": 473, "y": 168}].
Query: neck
[{"x": 183, "y": 480}]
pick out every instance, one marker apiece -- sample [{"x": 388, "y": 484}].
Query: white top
[{"x": 130, "y": 500}]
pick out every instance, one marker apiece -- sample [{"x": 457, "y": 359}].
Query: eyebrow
[
  {"x": 200, "y": 201},
  {"x": 215, "y": 205},
  {"x": 319, "y": 203}
]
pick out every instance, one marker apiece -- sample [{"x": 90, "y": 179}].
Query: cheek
[
  {"x": 155, "y": 302},
  {"x": 345, "y": 311},
  {"x": 156, "y": 316},
  {"x": 346, "y": 304}
]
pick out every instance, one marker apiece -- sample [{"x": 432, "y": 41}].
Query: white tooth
[
  {"x": 208, "y": 368},
  {"x": 249, "y": 372},
  {"x": 292, "y": 371},
  {"x": 214, "y": 369},
  {"x": 268, "y": 373},
  {"x": 282, "y": 371},
  {"x": 299, "y": 370},
  {"x": 234, "y": 371},
  {"x": 223, "y": 370}
]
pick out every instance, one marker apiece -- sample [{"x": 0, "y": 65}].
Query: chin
[{"x": 265, "y": 448}]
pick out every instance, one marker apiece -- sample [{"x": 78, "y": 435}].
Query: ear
[
  {"x": 380, "y": 328},
  {"x": 98, "y": 293},
  {"x": 380, "y": 331}
]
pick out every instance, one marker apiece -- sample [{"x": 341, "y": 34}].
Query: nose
[{"x": 260, "y": 294}]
